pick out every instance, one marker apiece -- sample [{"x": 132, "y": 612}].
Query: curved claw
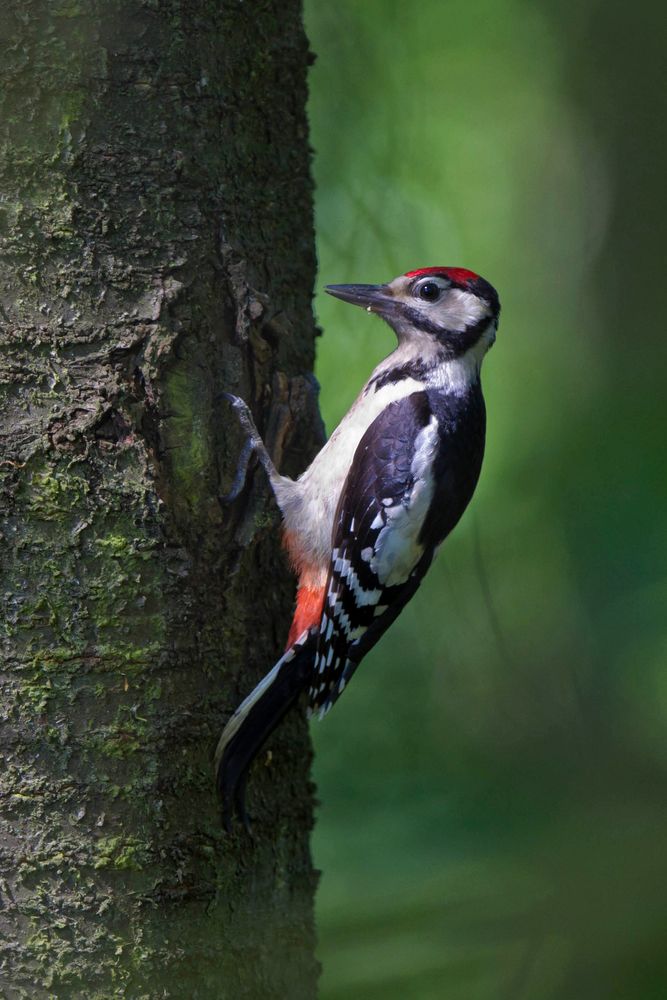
[
  {"x": 240, "y": 476},
  {"x": 243, "y": 411},
  {"x": 253, "y": 444}
]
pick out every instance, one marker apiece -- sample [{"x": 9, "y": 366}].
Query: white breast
[{"x": 309, "y": 504}]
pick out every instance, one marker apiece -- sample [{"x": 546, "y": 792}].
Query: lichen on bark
[{"x": 155, "y": 247}]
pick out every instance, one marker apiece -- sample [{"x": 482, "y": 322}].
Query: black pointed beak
[{"x": 374, "y": 298}]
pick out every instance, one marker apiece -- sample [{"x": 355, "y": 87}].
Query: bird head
[{"x": 447, "y": 308}]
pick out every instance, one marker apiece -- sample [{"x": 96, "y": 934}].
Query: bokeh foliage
[{"x": 494, "y": 819}]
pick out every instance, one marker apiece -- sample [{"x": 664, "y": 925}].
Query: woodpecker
[{"x": 361, "y": 525}]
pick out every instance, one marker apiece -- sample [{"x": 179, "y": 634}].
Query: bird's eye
[{"x": 429, "y": 291}]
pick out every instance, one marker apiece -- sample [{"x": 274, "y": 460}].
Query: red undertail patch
[{"x": 309, "y": 604}]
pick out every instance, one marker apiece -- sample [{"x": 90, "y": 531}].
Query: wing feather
[{"x": 378, "y": 557}]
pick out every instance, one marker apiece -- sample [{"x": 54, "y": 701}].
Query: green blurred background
[{"x": 494, "y": 785}]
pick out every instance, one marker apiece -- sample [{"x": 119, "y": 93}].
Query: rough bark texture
[{"x": 156, "y": 247}]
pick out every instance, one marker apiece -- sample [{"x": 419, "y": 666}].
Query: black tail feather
[{"x": 254, "y": 721}]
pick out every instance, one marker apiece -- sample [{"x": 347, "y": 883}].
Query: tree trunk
[{"x": 156, "y": 247}]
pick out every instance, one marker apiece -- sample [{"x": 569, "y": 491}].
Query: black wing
[
  {"x": 378, "y": 558},
  {"x": 412, "y": 476}
]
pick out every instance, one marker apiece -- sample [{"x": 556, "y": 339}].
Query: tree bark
[{"x": 156, "y": 247}]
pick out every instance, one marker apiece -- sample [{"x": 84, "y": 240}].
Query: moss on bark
[{"x": 155, "y": 247}]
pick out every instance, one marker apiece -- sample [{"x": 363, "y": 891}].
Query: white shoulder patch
[{"x": 397, "y": 550}]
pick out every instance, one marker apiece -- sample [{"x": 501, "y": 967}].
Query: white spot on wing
[
  {"x": 345, "y": 624},
  {"x": 397, "y": 550},
  {"x": 308, "y": 505},
  {"x": 361, "y": 596}
]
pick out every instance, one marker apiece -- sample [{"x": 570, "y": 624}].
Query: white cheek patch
[{"x": 458, "y": 311}]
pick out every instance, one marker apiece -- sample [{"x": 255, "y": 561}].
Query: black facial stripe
[
  {"x": 420, "y": 322},
  {"x": 454, "y": 343}
]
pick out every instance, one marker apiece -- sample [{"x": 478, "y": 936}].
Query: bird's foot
[
  {"x": 253, "y": 445},
  {"x": 240, "y": 476}
]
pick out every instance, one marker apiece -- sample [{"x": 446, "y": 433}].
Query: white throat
[{"x": 456, "y": 376}]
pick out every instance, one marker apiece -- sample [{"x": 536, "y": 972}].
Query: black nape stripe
[
  {"x": 411, "y": 369},
  {"x": 484, "y": 290}
]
